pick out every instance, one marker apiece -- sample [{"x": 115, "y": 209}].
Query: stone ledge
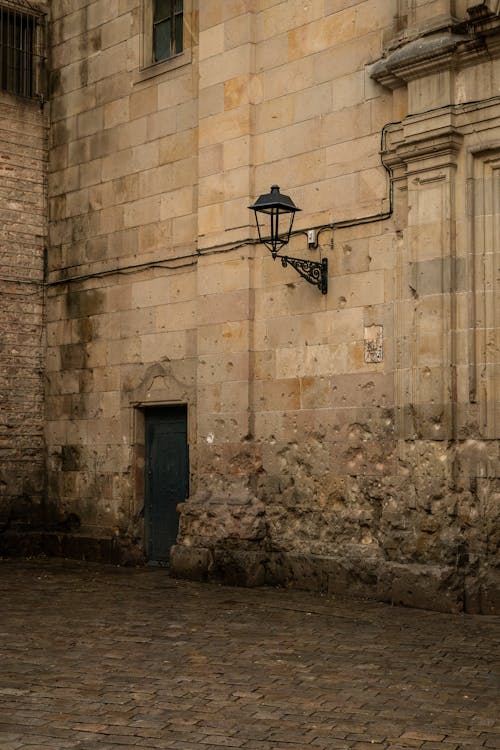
[
  {"x": 113, "y": 550},
  {"x": 437, "y": 588},
  {"x": 240, "y": 567},
  {"x": 191, "y": 563},
  {"x": 422, "y": 586}
]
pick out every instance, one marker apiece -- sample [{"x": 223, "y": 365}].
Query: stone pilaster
[{"x": 430, "y": 276}]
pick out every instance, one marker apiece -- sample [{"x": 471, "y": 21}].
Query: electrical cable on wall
[{"x": 230, "y": 247}]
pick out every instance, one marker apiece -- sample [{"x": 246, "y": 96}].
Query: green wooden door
[{"x": 167, "y": 478}]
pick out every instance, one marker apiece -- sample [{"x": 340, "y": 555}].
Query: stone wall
[
  {"x": 346, "y": 453},
  {"x": 121, "y": 283},
  {"x": 23, "y": 236},
  {"x": 345, "y": 442}
]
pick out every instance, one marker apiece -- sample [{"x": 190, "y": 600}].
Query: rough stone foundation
[{"x": 427, "y": 537}]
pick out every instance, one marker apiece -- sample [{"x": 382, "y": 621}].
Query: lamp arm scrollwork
[{"x": 314, "y": 272}]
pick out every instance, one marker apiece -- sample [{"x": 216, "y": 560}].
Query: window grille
[
  {"x": 167, "y": 28},
  {"x": 22, "y": 62}
]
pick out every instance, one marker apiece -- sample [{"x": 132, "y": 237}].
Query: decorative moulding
[
  {"x": 439, "y": 145},
  {"x": 457, "y": 46},
  {"x": 418, "y": 58}
]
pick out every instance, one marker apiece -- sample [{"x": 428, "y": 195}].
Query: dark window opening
[
  {"x": 20, "y": 58},
  {"x": 167, "y": 28}
]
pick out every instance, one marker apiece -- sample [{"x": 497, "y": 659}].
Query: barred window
[
  {"x": 167, "y": 29},
  {"x": 20, "y": 51}
]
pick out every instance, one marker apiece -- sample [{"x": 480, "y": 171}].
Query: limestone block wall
[
  {"x": 268, "y": 342},
  {"x": 23, "y": 236},
  {"x": 341, "y": 442},
  {"x": 360, "y": 469},
  {"x": 121, "y": 288}
]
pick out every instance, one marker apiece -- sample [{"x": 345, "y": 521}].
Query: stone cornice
[
  {"x": 441, "y": 146},
  {"x": 465, "y": 45},
  {"x": 417, "y": 58}
]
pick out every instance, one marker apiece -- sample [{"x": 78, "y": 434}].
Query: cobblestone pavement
[{"x": 102, "y": 658}]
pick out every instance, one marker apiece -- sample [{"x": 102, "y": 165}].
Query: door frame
[{"x": 138, "y": 457}]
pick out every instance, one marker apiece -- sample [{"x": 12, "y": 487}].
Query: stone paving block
[{"x": 103, "y": 658}]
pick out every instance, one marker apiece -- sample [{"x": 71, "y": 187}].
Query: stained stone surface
[{"x": 346, "y": 442}]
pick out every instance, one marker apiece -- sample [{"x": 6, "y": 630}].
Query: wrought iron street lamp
[{"x": 274, "y": 215}]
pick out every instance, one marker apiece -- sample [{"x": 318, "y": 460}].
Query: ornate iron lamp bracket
[
  {"x": 279, "y": 209},
  {"x": 314, "y": 272}
]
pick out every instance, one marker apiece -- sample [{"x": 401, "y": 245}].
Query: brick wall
[{"x": 23, "y": 156}]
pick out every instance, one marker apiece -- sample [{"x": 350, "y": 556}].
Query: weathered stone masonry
[
  {"x": 344, "y": 443},
  {"x": 382, "y": 478}
]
